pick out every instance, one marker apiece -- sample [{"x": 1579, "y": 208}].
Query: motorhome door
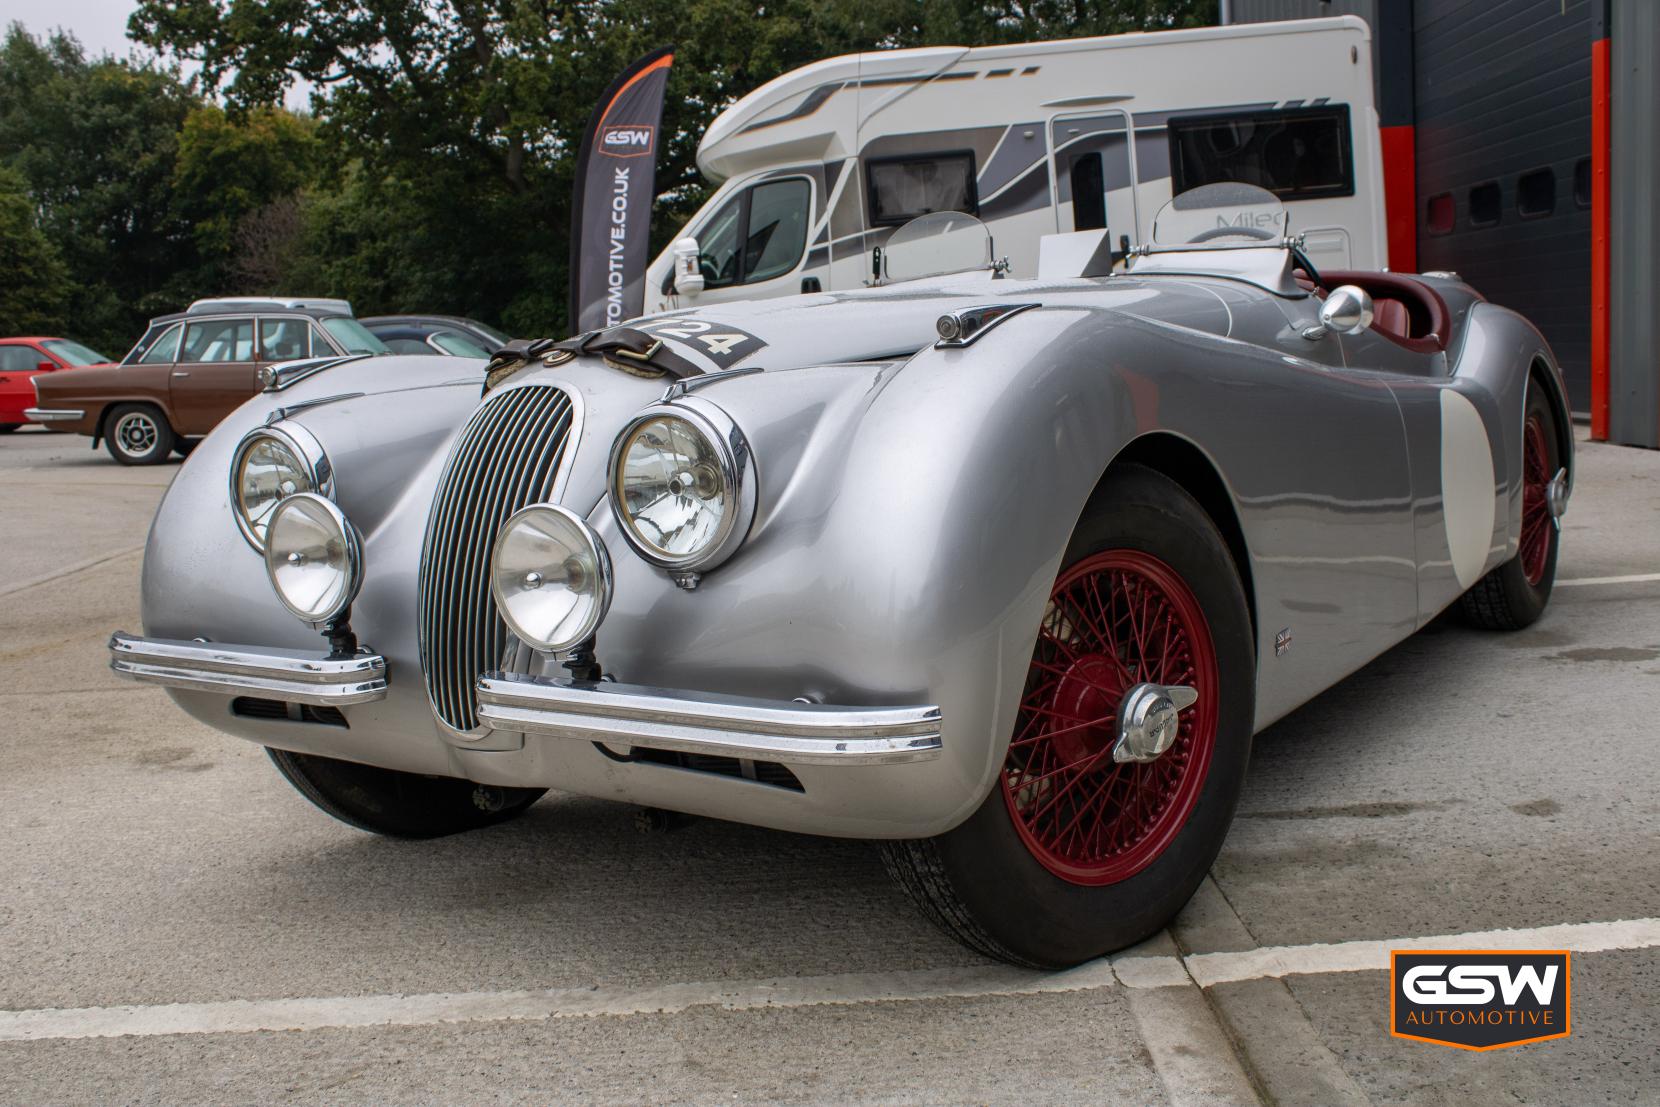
[
  {"x": 754, "y": 245},
  {"x": 1093, "y": 172}
]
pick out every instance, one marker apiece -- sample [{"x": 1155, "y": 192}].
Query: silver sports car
[{"x": 1002, "y": 572}]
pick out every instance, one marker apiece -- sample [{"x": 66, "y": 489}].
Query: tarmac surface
[{"x": 178, "y": 925}]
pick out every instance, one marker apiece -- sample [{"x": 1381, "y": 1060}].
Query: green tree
[
  {"x": 228, "y": 174},
  {"x": 34, "y": 297},
  {"x": 97, "y": 142}
]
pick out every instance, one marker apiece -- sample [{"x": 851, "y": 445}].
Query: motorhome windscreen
[
  {"x": 902, "y": 188},
  {"x": 1295, "y": 153}
]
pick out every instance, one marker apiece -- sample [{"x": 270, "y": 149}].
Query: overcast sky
[{"x": 101, "y": 25}]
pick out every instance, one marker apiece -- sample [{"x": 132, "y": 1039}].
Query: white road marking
[
  {"x": 1135, "y": 972},
  {"x": 1275, "y": 961},
  {"x": 68, "y": 570},
  {"x": 1633, "y": 578}
]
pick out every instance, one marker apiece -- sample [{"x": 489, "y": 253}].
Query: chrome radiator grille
[{"x": 506, "y": 457}]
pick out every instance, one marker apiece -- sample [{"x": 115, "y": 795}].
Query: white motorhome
[{"x": 822, "y": 164}]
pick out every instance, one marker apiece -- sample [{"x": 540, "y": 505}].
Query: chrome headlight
[
  {"x": 314, "y": 557},
  {"x": 683, "y": 485},
  {"x": 271, "y": 463},
  {"x": 551, "y": 577}
]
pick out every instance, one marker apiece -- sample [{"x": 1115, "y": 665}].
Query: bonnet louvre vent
[{"x": 505, "y": 458}]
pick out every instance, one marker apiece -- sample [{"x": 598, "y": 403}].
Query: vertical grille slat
[
  {"x": 506, "y": 457},
  {"x": 484, "y": 632}
]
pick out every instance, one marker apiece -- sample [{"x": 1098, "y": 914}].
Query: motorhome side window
[
  {"x": 757, "y": 235},
  {"x": 903, "y": 188},
  {"x": 1295, "y": 153}
]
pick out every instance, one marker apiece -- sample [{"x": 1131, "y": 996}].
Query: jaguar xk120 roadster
[{"x": 1005, "y": 573}]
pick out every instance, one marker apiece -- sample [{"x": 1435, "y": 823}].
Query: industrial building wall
[
  {"x": 1503, "y": 105},
  {"x": 1634, "y": 278}
]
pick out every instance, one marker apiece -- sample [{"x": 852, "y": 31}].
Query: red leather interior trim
[{"x": 1425, "y": 308}]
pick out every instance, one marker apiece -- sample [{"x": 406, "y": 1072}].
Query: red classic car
[{"x": 21, "y": 359}]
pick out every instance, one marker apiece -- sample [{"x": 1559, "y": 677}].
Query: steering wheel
[
  {"x": 707, "y": 268},
  {"x": 1226, "y": 232}
]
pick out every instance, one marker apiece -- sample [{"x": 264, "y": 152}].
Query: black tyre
[
  {"x": 1074, "y": 854},
  {"x": 138, "y": 434},
  {"x": 399, "y": 804},
  {"x": 7, "y": 428},
  {"x": 1514, "y": 595}
]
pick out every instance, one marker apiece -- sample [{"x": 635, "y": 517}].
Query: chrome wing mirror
[
  {"x": 1347, "y": 310},
  {"x": 688, "y": 278}
]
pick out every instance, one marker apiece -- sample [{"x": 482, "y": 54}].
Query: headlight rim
[
  {"x": 738, "y": 470},
  {"x": 602, "y": 561},
  {"x": 305, "y": 447},
  {"x": 354, "y": 560}
]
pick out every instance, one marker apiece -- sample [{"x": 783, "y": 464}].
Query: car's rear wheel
[
  {"x": 399, "y": 804},
  {"x": 1514, "y": 595},
  {"x": 1075, "y": 853},
  {"x": 138, "y": 434},
  {"x": 7, "y": 428}
]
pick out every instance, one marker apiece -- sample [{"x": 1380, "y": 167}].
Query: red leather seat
[{"x": 1391, "y": 317}]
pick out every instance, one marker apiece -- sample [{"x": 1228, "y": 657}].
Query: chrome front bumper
[
  {"x": 791, "y": 733},
  {"x": 52, "y": 414},
  {"x": 198, "y": 666},
  {"x": 622, "y": 715}
]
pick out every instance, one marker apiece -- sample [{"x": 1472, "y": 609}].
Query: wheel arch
[
  {"x": 1549, "y": 380},
  {"x": 1181, "y": 460}
]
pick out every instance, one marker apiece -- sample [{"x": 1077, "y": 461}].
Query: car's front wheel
[
  {"x": 399, "y": 804},
  {"x": 7, "y": 428},
  {"x": 1129, "y": 750},
  {"x": 138, "y": 434}
]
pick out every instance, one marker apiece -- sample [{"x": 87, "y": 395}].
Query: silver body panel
[{"x": 914, "y": 506}]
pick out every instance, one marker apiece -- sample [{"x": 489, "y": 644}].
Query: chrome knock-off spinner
[
  {"x": 1150, "y": 719},
  {"x": 1556, "y": 497}
]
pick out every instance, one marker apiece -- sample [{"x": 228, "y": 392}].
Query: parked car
[
  {"x": 191, "y": 369},
  {"x": 22, "y": 358},
  {"x": 443, "y": 334},
  {"x": 1003, "y": 572}
]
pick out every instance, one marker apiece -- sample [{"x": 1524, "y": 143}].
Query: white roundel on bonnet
[{"x": 1468, "y": 501}]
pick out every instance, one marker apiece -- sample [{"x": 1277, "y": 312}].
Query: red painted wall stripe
[
  {"x": 1400, "y": 196},
  {"x": 1600, "y": 121}
]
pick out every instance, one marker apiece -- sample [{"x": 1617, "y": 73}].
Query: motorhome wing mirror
[
  {"x": 688, "y": 278},
  {"x": 935, "y": 244},
  {"x": 1227, "y": 213}
]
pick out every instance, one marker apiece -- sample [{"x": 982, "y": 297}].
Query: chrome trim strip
[
  {"x": 966, "y": 326},
  {"x": 228, "y": 670},
  {"x": 726, "y": 726},
  {"x": 52, "y": 414},
  {"x": 275, "y": 378}
]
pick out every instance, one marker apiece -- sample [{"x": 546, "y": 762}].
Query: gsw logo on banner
[{"x": 629, "y": 140}]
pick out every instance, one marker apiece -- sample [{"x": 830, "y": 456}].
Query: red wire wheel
[
  {"x": 1536, "y": 521},
  {"x": 1115, "y": 619}
]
